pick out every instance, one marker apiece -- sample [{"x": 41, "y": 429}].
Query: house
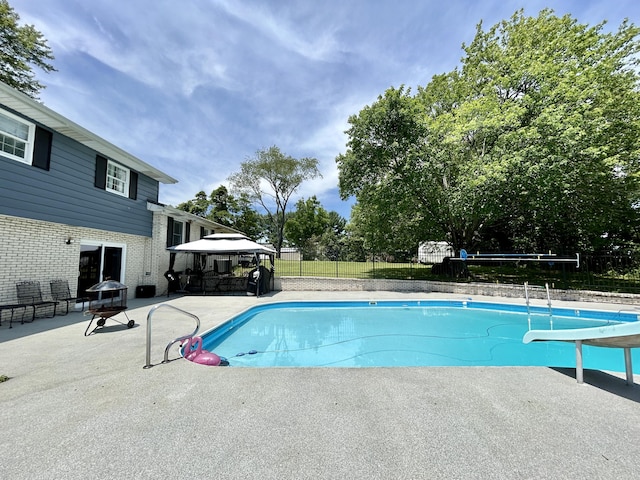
[
  {"x": 171, "y": 227},
  {"x": 74, "y": 206},
  {"x": 290, "y": 253}
]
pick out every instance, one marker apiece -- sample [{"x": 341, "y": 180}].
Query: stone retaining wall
[{"x": 489, "y": 289}]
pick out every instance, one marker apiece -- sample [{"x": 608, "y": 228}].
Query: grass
[{"x": 511, "y": 273}]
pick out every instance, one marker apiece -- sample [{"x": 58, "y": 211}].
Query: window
[
  {"x": 175, "y": 233},
  {"x": 16, "y": 137},
  {"x": 117, "y": 179}
]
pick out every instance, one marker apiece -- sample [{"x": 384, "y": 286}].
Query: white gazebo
[{"x": 224, "y": 244}]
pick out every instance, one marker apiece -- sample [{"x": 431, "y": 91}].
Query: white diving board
[{"x": 621, "y": 335}]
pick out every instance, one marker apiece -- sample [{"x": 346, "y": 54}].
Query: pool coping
[{"x": 83, "y": 407}]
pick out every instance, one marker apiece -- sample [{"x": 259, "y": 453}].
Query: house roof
[
  {"x": 32, "y": 109},
  {"x": 189, "y": 217}
]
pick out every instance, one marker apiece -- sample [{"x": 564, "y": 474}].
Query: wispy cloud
[{"x": 196, "y": 87}]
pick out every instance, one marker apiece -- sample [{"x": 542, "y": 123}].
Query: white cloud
[{"x": 194, "y": 88}]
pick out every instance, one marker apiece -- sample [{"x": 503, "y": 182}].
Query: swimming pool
[{"x": 402, "y": 334}]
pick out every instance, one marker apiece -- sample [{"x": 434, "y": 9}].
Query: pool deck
[{"x": 81, "y": 407}]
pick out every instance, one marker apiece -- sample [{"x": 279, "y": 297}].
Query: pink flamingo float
[{"x": 199, "y": 355}]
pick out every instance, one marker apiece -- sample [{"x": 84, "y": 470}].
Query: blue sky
[{"x": 198, "y": 86}]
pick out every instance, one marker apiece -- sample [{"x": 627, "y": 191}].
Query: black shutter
[
  {"x": 42, "y": 149},
  {"x": 202, "y": 232},
  {"x": 101, "y": 172},
  {"x": 187, "y": 232},
  {"x": 169, "y": 231},
  {"x": 133, "y": 185}
]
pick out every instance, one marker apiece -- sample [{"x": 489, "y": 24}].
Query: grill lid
[{"x": 107, "y": 285}]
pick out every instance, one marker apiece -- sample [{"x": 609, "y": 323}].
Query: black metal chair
[
  {"x": 30, "y": 295},
  {"x": 60, "y": 292},
  {"x": 12, "y": 307}
]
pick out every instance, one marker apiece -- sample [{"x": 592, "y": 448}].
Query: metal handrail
[
  {"x": 173, "y": 342},
  {"x": 166, "y": 351},
  {"x": 546, "y": 286},
  {"x": 526, "y": 295}
]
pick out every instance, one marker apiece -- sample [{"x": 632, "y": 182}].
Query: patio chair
[
  {"x": 61, "y": 293},
  {"x": 30, "y": 295}
]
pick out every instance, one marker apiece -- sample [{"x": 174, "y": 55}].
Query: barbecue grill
[{"x": 108, "y": 299}]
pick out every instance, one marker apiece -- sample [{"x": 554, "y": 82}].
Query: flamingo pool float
[{"x": 199, "y": 355}]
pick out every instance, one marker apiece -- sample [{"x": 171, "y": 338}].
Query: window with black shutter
[
  {"x": 115, "y": 178},
  {"x": 174, "y": 232}
]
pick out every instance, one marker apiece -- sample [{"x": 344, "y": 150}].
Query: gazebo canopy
[{"x": 223, "y": 243}]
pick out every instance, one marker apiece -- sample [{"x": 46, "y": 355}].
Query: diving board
[{"x": 621, "y": 335}]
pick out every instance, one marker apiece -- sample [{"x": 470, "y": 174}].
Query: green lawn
[{"x": 505, "y": 274}]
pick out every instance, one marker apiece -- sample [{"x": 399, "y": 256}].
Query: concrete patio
[{"x": 81, "y": 407}]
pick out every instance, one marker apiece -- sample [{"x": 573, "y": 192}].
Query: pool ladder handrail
[
  {"x": 546, "y": 286},
  {"x": 173, "y": 342},
  {"x": 526, "y": 295}
]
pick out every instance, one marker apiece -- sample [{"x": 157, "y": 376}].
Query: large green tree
[
  {"x": 269, "y": 179},
  {"x": 533, "y": 143},
  {"x": 200, "y": 205},
  {"x": 305, "y": 225},
  {"x": 246, "y": 218},
  {"x": 556, "y": 109},
  {"x": 222, "y": 207},
  {"x": 22, "y": 47}
]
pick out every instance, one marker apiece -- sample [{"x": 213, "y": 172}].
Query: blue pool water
[{"x": 397, "y": 334}]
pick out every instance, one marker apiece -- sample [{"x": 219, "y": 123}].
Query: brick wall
[
  {"x": 160, "y": 257},
  {"x": 37, "y": 250}
]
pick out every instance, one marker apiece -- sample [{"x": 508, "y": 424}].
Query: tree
[
  {"x": 333, "y": 243},
  {"x": 559, "y": 116},
  {"x": 225, "y": 209},
  {"x": 21, "y": 49},
  {"x": 534, "y": 144},
  {"x": 219, "y": 203},
  {"x": 246, "y": 219},
  {"x": 400, "y": 188},
  {"x": 269, "y": 179},
  {"x": 305, "y": 225},
  {"x": 198, "y": 206}
]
